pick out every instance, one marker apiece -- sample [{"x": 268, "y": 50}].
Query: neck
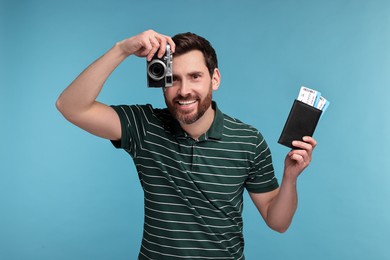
[{"x": 198, "y": 128}]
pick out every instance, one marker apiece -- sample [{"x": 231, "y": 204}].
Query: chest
[{"x": 215, "y": 169}]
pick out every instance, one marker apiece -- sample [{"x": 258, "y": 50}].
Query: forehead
[{"x": 192, "y": 60}]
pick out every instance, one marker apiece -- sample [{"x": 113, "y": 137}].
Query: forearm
[
  {"x": 282, "y": 208},
  {"x": 81, "y": 94}
]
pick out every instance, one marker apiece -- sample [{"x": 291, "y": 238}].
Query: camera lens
[{"x": 156, "y": 69}]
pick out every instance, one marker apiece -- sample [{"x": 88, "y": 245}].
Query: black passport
[{"x": 301, "y": 121}]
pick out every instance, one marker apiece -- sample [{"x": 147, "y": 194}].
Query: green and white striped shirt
[{"x": 193, "y": 189}]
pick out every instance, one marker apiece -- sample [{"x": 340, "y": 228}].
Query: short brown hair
[{"x": 186, "y": 42}]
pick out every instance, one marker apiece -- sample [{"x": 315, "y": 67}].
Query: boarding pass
[{"x": 313, "y": 98}]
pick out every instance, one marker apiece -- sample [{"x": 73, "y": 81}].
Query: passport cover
[{"x": 301, "y": 121}]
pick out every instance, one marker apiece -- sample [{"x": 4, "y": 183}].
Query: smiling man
[
  {"x": 194, "y": 162},
  {"x": 189, "y": 100}
]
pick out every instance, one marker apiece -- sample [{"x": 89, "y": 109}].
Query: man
[{"x": 193, "y": 161}]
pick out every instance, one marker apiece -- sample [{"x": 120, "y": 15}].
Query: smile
[{"x": 186, "y": 103}]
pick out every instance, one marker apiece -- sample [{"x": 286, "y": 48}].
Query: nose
[{"x": 184, "y": 88}]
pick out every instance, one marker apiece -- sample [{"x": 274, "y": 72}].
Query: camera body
[{"x": 159, "y": 71}]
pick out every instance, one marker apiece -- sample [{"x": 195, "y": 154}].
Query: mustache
[{"x": 185, "y": 98}]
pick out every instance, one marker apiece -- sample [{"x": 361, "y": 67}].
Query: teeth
[{"x": 186, "y": 102}]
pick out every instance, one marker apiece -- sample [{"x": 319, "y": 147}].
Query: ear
[{"x": 216, "y": 79}]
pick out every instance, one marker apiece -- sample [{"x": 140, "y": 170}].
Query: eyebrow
[{"x": 190, "y": 73}]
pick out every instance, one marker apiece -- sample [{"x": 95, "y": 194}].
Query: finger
[
  {"x": 164, "y": 40},
  {"x": 149, "y": 43},
  {"x": 144, "y": 47},
  {"x": 154, "y": 47},
  {"x": 162, "y": 50},
  {"x": 311, "y": 140},
  {"x": 300, "y": 158},
  {"x": 158, "y": 43},
  {"x": 305, "y": 156},
  {"x": 302, "y": 145},
  {"x": 172, "y": 43},
  {"x": 302, "y": 153},
  {"x": 297, "y": 157}
]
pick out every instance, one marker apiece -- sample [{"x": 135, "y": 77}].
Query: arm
[
  {"x": 278, "y": 207},
  {"x": 78, "y": 102}
]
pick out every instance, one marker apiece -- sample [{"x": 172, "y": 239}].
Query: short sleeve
[
  {"x": 261, "y": 176},
  {"x": 133, "y": 124}
]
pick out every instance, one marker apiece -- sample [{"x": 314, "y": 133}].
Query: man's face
[{"x": 191, "y": 94}]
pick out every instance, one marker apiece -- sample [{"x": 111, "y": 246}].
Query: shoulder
[
  {"x": 133, "y": 108},
  {"x": 144, "y": 110},
  {"x": 143, "y": 116},
  {"x": 235, "y": 125},
  {"x": 237, "y": 131}
]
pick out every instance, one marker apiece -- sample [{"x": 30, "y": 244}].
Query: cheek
[{"x": 169, "y": 93}]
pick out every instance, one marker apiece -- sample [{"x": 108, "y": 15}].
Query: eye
[{"x": 196, "y": 76}]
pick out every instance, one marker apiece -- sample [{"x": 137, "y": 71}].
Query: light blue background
[{"x": 65, "y": 194}]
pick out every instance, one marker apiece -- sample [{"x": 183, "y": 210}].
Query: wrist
[
  {"x": 121, "y": 49},
  {"x": 290, "y": 179}
]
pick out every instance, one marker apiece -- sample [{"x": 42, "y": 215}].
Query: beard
[{"x": 189, "y": 117}]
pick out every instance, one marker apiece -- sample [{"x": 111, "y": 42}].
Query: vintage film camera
[{"x": 159, "y": 71}]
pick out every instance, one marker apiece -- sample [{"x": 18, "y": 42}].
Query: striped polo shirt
[{"x": 193, "y": 189}]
